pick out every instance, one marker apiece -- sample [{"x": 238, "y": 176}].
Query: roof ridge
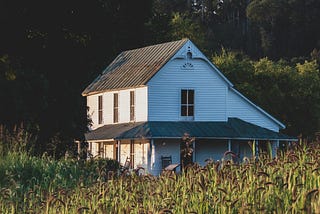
[{"x": 163, "y": 43}]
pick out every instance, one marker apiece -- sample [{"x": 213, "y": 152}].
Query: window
[
  {"x": 131, "y": 105},
  {"x": 187, "y": 103},
  {"x": 115, "y": 108},
  {"x": 100, "y": 113}
]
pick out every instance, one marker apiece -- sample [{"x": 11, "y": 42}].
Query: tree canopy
[{"x": 49, "y": 52}]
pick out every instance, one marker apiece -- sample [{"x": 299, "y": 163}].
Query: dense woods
[{"x": 49, "y": 52}]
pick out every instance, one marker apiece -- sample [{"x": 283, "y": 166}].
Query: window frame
[{"x": 187, "y": 104}]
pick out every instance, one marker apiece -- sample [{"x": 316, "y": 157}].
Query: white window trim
[{"x": 188, "y": 118}]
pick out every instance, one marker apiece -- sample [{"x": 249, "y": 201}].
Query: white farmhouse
[{"x": 147, "y": 98}]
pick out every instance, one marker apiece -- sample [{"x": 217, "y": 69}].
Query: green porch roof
[{"x": 234, "y": 128}]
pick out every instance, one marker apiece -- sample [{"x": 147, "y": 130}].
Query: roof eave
[{"x": 110, "y": 90}]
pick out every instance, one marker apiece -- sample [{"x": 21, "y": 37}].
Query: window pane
[
  {"x": 190, "y": 96},
  {"x": 190, "y": 111},
  {"x": 184, "y": 96},
  {"x": 184, "y": 111}
]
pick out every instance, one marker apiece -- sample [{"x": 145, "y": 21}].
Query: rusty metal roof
[{"x": 134, "y": 68}]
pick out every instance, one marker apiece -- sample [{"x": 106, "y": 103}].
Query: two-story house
[{"x": 147, "y": 98}]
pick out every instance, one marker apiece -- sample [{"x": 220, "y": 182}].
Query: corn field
[{"x": 289, "y": 183}]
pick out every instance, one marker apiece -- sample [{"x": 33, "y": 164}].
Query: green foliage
[
  {"x": 288, "y": 183},
  {"x": 51, "y": 51},
  {"x": 238, "y": 68},
  {"x": 286, "y": 28},
  {"x": 288, "y": 91},
  {"x": 25, "y": 175},
  {"x": 183, "y": 27},
  {"x": 18, "y": 140}
]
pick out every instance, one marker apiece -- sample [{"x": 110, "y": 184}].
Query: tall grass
[{"x": 289, "y": 183}]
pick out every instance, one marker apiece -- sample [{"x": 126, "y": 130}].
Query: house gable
[
  {"x": 158, "y": 74},
  {"x": 241, "y": 107},
  {"x": 215, "y": 97},
  {"x": 180, "y": 73}
]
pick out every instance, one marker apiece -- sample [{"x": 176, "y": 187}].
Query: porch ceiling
[{"x": 234, "y": 128}]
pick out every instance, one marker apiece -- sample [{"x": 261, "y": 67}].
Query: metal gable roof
[
  {"x": 234, "y": 128},
  {"x": 134, "y": 68}
]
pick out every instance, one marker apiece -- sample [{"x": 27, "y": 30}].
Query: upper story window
[
  {"x": 100, "y": 111},
  {"x": 187, "y": 103},
  {"x": 132, "y": 106},
  {"x": 115, "y": 107}
]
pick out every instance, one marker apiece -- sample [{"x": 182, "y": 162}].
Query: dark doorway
[{"x": 186, "y": 152}]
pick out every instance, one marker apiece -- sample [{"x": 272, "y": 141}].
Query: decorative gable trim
[{"x": 187, "y": 66}]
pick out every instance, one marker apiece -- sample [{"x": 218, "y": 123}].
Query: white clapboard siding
[
  {"x": 240, "y": 108},
  {"x": 107, "y": 108},
  {"x": 92, "y": 103},
  {"x": 165, "y": 90},
  {"x": 165, "y": 147},
  {"x": 124, "y": 106},
  {"x": 209, "y": 149},
  {"x": 141, "y": 104},
  {"x": 245, "y": 150}
]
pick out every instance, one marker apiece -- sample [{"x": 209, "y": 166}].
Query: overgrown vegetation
[
  {"x": 288, "y": 183},
  {"x": 25, "y": 176},
  {"x": 288, "y": 90},
  {"x": 49, "y": 52}
]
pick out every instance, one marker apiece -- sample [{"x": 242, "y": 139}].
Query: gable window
[
  {"x": 131, "y": 105},
  {"x": 187, "y": 103},
  {"x": 100, "y": 112},
  {"x": 115, "y": 108}
]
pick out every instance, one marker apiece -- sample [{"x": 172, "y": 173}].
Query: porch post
[
  {"x": 257, "y": 149},
  {"x": 153, "y": 148},
  {"x": 194, "y": 151},
  {"x": 274, "y": 147},
  {"x": 229, "y": 145},
  {"x": 119, "y": 157}
]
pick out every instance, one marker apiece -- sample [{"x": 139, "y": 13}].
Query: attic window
[
  {"x": 188, "y": 65},
  {"x": 189, "y": 55}
]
